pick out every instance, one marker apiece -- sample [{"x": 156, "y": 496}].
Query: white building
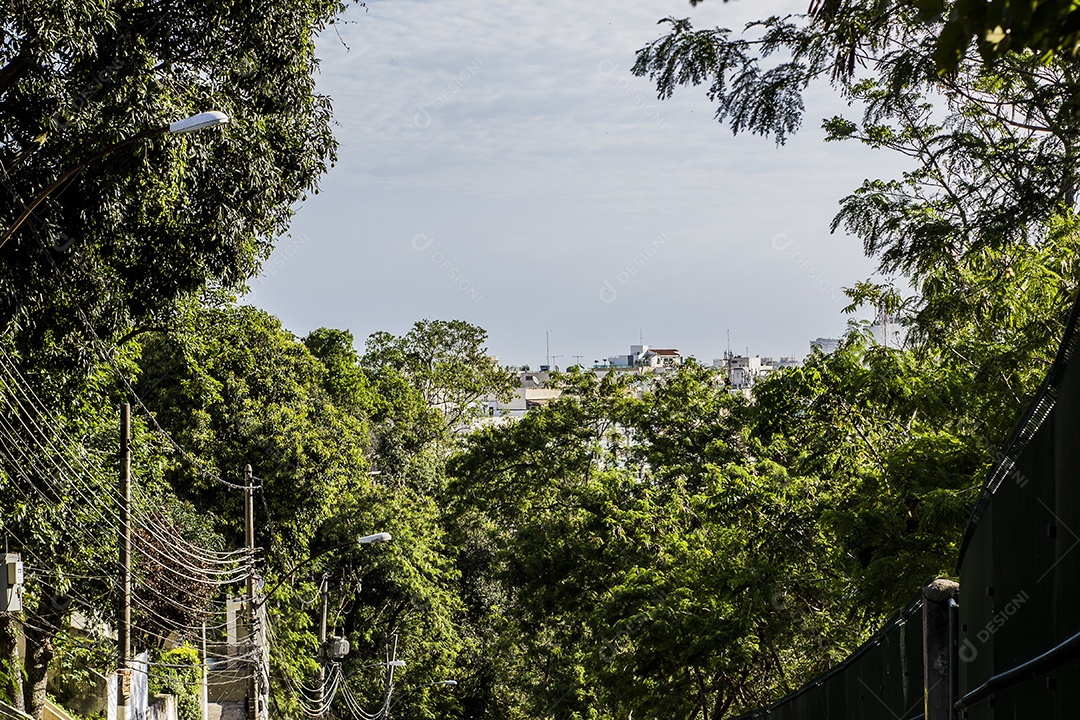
[
  {"x": 885, "y": 331},
  {"x": 743, "y": 371},
  {"x": 532, "y": 392},
  {"x": 645, "y": 357},
  {"x": 826, "y": 345}
]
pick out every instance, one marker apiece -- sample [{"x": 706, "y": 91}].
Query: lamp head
[
  {"x": 377, "y": 537},
  {"x": 198, "y": 122}
]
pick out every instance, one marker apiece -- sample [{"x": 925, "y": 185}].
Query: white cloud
[{"x": 514, "y": 135}]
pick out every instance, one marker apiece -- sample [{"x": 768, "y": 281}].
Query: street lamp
[
  {"x": 365, "y": 540},
  {"x": 385, "y": 714},
  {"x": 362, "y": 540},
  {"x": 195, "y": 122}
]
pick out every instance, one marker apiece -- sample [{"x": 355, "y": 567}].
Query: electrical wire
[
  {"x": 103, "y": 351},
  {"x": 182, "y": 547}
]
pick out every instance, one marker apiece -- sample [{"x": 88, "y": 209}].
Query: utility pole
[
  {"x": 389, "y": 676},
  {"x": 253, "y": 709},
  {"x": 123, "y": 624},
  {"x": 204, "y": 688},
  {"x": 249, "y": 534},
  {"x": 324, "y": 592}
]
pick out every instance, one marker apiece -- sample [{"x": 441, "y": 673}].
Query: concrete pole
[
  {"x": 253, "y": 640},
  {"x": 123, "y": 620},
  {"x": 390, "y": 677},
  {"x": 320, "y": 693},
  {"x": 937, "y": 648}
]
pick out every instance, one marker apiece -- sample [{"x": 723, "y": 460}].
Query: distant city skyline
[{"x": 499, "y": 164}]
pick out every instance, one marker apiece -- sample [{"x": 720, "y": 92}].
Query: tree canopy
[
  {"x": 169, "y": 216},
  {"x": 1047, "y": 28}
]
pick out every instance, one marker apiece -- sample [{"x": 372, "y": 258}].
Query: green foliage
[
  {"x": 74, "y": 664},
  {"x": 234, "y": 387},
  {"x": 656, "y": 547},
  {"x": 638, "y": 559},
  {"x": 164, "y": 218},
  {"x": 446, "y": 361},
  {"x": 762, "y": 101},
  {"x": 1046, "y": 27},
  {"x": 993, "y": 147},
  {"x": 178, "y": 672},
  {"x": 112, "y": 251}
]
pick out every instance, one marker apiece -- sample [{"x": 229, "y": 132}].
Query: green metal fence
[
  {"x": 882, "y": 680},
  {"x": 1017, "y": 652},
  {"x": 1015, "y": 645}
]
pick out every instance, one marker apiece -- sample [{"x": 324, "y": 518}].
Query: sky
[{"x": 499, "y": 164}]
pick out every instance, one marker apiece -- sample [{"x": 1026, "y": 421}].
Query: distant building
[
  {"x": 742, "y": 372},
  {"x": 662, "y": 358},
  {"x": 642, "y": 356},
  {"x": 885, "y": 331},
  {"x": 532, "y": 392},
  {"x": 826, "y": 345}
]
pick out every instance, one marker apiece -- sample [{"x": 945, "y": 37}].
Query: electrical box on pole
[
  {"x": 337, "y": 647},
  {"x": 12, "y": 581}
]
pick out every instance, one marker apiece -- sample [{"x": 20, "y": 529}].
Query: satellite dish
[{"x": 644, "y": 349}]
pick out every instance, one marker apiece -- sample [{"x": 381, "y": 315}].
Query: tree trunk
[
  {"x": 703, "y": 695},
  {"x": 12, "y": 672},
  {"x": 39, "y": 652}
]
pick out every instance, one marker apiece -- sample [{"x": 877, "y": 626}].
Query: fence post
[{"x": 936, "y": 648}]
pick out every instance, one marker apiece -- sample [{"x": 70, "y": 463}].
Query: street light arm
[
  {"x": 384, "y": 712},
  {"x": 367, "y": 539},
  {"x": 71, "y": 172},
  {"x": 190, "y": 124}
]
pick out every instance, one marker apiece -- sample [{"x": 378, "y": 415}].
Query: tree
[
  {"x": 111, "y": 252},
  {"x": 179, "y": 673},
  {"x": 894, "y": 436},
  {"x": 447, "y": 362},
  {"x": 162, "y": 219},
  {"x": 234, "y": 387},
  {"x": 993, "y": 164},
  {"x": 1047, "y": 28},
  {"x": 641, "y": 560},
  {"x": 990, "y": 200}
]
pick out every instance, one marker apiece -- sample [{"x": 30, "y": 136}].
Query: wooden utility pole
[{"x": 123, "y": 624}]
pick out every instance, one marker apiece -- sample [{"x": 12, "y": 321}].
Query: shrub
[{"x": 178, "y": 672}]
